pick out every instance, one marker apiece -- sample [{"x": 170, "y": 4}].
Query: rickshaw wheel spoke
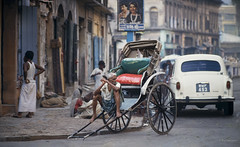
[
  {"x": 161, "y": 108},
  {"x": 119, "y": 124}
]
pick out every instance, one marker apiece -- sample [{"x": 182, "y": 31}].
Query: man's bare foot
[
  {"x": 17, "y": 116},
  {"x": 93, "y": 118},
  {"x": 118, "y": 114}
]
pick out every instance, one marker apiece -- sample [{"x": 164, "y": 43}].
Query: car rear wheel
[
  {"x": 180, "y": 107},
  {"x": 228, "y": 108}
]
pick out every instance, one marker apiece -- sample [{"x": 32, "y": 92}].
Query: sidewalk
[{"x": 51, "y": 123}]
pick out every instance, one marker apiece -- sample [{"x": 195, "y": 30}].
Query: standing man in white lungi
[{"x": 27, "y": 102}]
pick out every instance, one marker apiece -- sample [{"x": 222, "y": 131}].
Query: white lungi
[{"x": 27, "y": 102}]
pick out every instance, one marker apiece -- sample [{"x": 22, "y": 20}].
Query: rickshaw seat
[
  {"x": 131, "y": 69},
  {"x": 132, "y": 66}
]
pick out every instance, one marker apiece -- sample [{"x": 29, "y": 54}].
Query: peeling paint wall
[
  {"x": 1, "y": 57},
  {"x": 42, "y": 33},
  {"x": 9, "y": 56}
]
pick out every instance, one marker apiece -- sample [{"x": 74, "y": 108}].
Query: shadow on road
[{"x": 197, "y": 113}]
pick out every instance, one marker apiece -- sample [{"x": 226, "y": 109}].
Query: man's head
[
  {"x": 28, "y": 56},
  {"x": 164, "y": 66},
  {"x": 101, "y": 64},
  {"x": 168, "y": 62},
  {"x": 112, "y": 77}
]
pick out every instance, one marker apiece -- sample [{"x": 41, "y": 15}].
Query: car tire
[
  {"x": 179, "y": 108},
  {"x": 219, "y": 106},
  {"x": 228, "y": 108}
]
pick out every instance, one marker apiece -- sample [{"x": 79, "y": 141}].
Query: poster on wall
[{"x": 130, "y": 15}]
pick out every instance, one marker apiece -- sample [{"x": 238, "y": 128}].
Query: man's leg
[
  {"x": 117, "y": 100},
  {"x": 29, "y": 115},
  {"x": 94, "y": 106}
]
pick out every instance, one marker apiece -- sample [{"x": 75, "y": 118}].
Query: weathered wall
[
  {"x": 0, "y": 56},
  {"x": 49, "y": 66},
  {"x": 81, "y": 11},
  {"x": 68, "y": 6},
  {"x": 9, "y": 56},
  {"x": 42, "y": 33},
  {"x": 159, "y": 5}
]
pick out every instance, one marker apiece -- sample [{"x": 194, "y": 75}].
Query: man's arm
[
  {"x": 25, "y": 69},
  {"x": 40, "y": 70},
  {"x": 114, "y": 87},
  {"x": 98, "y": 90},
  {"x": 94, "y": 73}
]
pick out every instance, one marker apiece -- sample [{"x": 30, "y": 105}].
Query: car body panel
[{"x": 201, "y": 86}]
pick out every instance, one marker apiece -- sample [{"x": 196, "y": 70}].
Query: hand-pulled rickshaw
[{"x": 141, "y": 82}]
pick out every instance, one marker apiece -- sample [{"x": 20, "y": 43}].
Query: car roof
[
  {"x": 193, "y": 57},
  {"x": 170, "y": 57},
  {"x": 199, "y": 57}
]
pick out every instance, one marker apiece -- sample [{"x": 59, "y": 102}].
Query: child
[{"x": 27, "y": 101}]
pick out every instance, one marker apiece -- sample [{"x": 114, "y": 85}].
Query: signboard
[{"x": 130, "y": 15}]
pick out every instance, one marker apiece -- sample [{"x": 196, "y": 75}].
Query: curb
[{"x": 50, "y": 137}]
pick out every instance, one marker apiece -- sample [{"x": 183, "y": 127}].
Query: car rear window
[{"x": 200, "y": 65}]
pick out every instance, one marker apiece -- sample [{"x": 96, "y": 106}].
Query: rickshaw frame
[{"x": 161, "y": 104}]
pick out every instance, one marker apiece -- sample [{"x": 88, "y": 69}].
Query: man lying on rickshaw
[{"x": 108, "y": 94}]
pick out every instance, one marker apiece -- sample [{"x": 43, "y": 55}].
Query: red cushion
[{"x": 132, "y": 79}]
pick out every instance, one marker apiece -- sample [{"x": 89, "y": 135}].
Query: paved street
[{"x": 49, "y": 123}]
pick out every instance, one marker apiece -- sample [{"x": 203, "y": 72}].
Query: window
[
  {"x": 207, "y": 24},
  {"x": 200, "y": 65},
  {"x": 177, "y": 39},
  {"x": 183, "y": 23},
  {"x": 89, "y": 26},
  {"x": 188, "y": 41},
  {"x": 201, "y": 23},
  {"x": 231, "y": 29},
  {"x": 154, "y": 17},
  {"x": 229, "y": 17},
  {"x": 167, "y": 38},
  {"x": 102, "y": 31}
]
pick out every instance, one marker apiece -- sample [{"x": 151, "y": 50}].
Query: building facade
[
  {"x": 229, "y": 37},
  {"x": 228, "y": 19},
  {"x": 183, "y": 26},
  {"x": 68, "y": 38}
]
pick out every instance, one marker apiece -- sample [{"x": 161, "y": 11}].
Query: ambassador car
[{"x": 201, "y": 79}]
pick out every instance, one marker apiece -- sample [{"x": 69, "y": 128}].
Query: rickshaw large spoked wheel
[
  {"x": 161, "y": 108},
  {"x": 120, "y": 123}
]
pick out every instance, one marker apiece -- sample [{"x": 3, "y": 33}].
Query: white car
[{"x": 202, "y": 79}]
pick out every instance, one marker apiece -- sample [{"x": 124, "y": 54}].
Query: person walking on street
[
  {"x": 98, "y": 74},
  {"x": 27, "y": 101}
]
